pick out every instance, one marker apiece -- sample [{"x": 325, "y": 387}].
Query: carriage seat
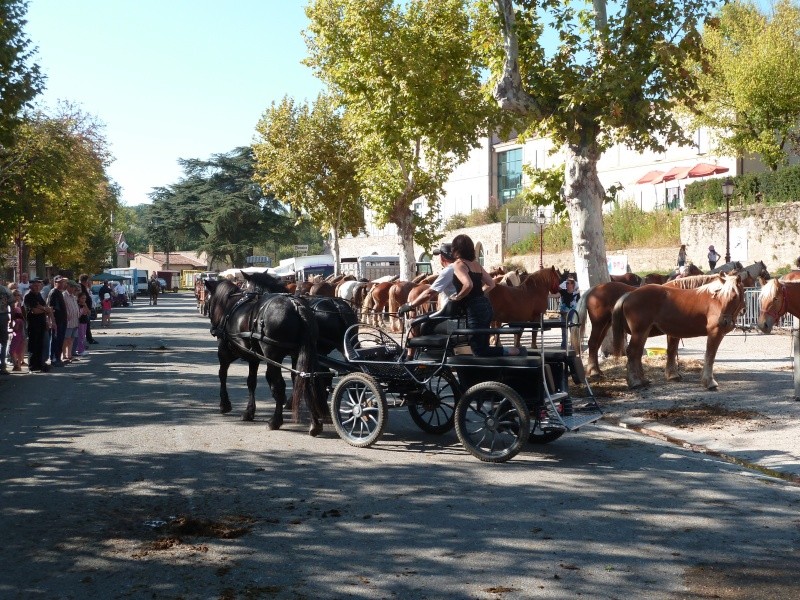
[
  {"x": 377, "y": 353},
  {"x": 435, "y": 340},
  {"x": 468, "y": 360},
  {"x": 568, "y": 357}
]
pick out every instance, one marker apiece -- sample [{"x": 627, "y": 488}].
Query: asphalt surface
[{"x": 121, "y": 479}]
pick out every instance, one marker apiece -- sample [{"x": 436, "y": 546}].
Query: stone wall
[{"x": 771, "y": 235}]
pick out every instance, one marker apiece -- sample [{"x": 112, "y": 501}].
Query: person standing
[
  {"x": 682, "y": 255},
  {"x": 84, "y": 281},
  {"x": 55, "y": 300},
  {"x": 37, "y": 312},
  {"x": 106, "y": 303},
  {"x": 470, "y": 281},
  {"x": 17, "y": 347},
  {"x": 84, "y": 319},
  {"x": 569, "y": 300},
  {"x": 73, "y": 313},
  {"x": 6, "y": 301},
  {"x": 713, "y": 257}
]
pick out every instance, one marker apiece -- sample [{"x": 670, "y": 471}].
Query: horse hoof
[
  {"x": 248, "y": 416},
  {"x": 674, "y": 377},
  {"x": 274, "y": 424},
  {"x": 315, "y": 429},
  {"x": 225, "y": 407}
]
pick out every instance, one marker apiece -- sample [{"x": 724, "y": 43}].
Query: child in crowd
[
  {"x": 106, "y": 305},
  {"x": 17, "y": 326},
  {"x": 83, "y": 322}
]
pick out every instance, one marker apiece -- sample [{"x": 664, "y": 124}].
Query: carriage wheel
[
  {"x": 358, "y": 409},
  {"x": 434, "y": 410},
  {"x": 492, "y": 421}
]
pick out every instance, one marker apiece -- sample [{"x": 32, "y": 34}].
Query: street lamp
[
  {"x": 727, "y": 191},
  {"x": 541, "y": 219}
]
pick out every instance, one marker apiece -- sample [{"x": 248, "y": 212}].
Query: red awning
[
  {"x": 705, "y": 169},
  {"x": 649, "y": 177},
  {"x": 673, "y": 173}
]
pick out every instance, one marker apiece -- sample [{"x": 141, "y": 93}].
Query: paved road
[{"x": 96, "y": 457}]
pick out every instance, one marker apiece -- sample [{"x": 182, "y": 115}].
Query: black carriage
[{"x": 496, "y": 404}]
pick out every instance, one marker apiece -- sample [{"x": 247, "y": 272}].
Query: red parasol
[
  {"x": 649, "y": 177},
  {"x": 705, "y": 169}
]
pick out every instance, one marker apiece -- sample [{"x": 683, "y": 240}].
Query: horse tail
[
  {"x": 618, "y": 326},
  {"x": 303, "y": 388},
  {"x": 576, "y": 333}
]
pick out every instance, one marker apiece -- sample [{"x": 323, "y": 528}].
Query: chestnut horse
[
  {"x": 598, "y": 303},
  {"x": 376, "y": 300},
  {"x": 526, "y": 302},
  {"x": 777, "y": 298},
  {"x": 709, "y": 310},
  {"x": 628, "y": 278}
]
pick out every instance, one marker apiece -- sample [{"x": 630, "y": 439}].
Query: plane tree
[
  {"x": 590, "y": 76},
  {"x": 411, "y": 86},
  {"x": 752, "y": 83},
  {"x": 304, "y": 156}
]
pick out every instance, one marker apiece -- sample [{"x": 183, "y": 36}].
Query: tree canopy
[
  {"x": 751, "y": 84},
  {"x": 305, "y": 157},
  {"x": 410, "y": 83},
  {"x": 589, "y": 76},
  {"x": 20, "y": 79},
  {"x": 217, "y": 208},
  {"x": 54, "y": 191}
]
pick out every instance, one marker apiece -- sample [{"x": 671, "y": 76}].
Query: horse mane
[
  {"x": 541, "y": 277},
  {"x": 770, "y": 290},
  {"x": 692, "y": 281},
  {"x": 724, "y": 290}
]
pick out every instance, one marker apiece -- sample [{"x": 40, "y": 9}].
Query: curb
[{"x": 644, "y": 429}]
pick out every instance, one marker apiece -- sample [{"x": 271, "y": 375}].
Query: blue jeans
[{"x": 479, "y": 316}]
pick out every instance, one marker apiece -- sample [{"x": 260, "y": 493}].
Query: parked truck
[{"x": 137, "y": 277}]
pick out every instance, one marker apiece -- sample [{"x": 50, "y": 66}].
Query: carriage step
[
  {"x": 580, "y": 418},
  {"x": 558, "y": 396}
]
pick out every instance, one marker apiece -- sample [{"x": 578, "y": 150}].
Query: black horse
[
  {"x": 153, "y": 288},
  {"x": 270, "y": 326}
]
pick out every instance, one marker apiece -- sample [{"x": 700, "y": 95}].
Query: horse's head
[
  {"x": 729, "y": 292},
  {"x": 772, "y": 305},
  {"x": 555, "y": 279},
  {"x": 217, "y": 299},
  {"x": 262, "y": 283}
]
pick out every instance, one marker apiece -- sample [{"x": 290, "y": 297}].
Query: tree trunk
[
  {"x": 335, "y": 251},
  {"x": 584, "y": 195},
  {"x": 405, "y": 232},
  {"x": 41, "y": 264}
]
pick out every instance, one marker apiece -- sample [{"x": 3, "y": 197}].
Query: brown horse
[
  {"x": 793, "y": 275},
  {"x": 376, "y": 301},
  {"x": 398, "y": 295},
  {"x": 598, "y": 303},
  {"x": 628, "y": 278},
  {"x": 654, "y": 278},
  {"x": 526, "y": 302},
  {"x": 709, "y": 310},
  {"x": 778, "y": 297}
]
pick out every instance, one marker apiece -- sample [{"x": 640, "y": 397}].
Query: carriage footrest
[{"x": 581, "y": 418}]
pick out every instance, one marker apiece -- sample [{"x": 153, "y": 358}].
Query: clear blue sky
[{"x": 170, "y": 79}]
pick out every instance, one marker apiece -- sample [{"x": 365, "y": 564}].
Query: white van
[{"x": 305, "y": 267}]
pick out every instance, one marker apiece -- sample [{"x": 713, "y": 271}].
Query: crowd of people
[{"x": 43, "y": 324}]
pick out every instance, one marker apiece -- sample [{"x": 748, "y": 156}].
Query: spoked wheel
[
  {"x": 433, "y": 410},
  {"x": 492, "y": 421},
  {"x": 358, "y": 409}
]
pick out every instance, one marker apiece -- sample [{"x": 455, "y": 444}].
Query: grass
[{"x": 626, "y": 226}]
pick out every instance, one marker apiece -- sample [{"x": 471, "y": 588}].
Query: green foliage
[
  {"x": 218, "y": 208},
  {"x": 20, "y": 79},
  {"x": 54, "y": 191},
  {"x": 773, "y": 187},
  {"x": 751, "y": 80},
  {"x": 411, "y": 85},
  {"x": 626, "y": 226},
  {"x": 305, "y": 156}
]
